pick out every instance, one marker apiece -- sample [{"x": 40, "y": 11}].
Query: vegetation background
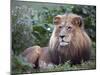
[{"x": 32, "y": 24}]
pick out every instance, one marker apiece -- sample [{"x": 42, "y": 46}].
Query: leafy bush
[{"x": 22, "y": 36}]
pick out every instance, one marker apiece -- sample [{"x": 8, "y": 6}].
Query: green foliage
[
  {"x": 32, "y": 25},
  {"x": 67, "y": 67},
  {"x": 20, "y": 66},
  {"x": 22, "y": 36},
  {"x": 40, "y": 31}
]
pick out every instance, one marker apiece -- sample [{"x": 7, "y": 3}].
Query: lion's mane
[{"x": 78, "y": 49}]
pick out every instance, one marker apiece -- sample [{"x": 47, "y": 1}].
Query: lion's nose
[{"x": 62, "y": 36}]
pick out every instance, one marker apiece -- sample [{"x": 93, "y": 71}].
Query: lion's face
[
  {"x": 65, "y": 28},
  {"x": 65, "y": 34}
]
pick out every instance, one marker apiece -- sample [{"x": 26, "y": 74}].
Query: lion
[
  {"x": 70, "y": 39},
  {"x": 69, "y": 42}
]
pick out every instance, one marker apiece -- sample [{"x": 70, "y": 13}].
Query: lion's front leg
[
  {"x": 44, "y": 66},
  {"x": 45, "y": 60}
]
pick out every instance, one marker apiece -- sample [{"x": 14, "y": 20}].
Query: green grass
[
  {"x": 20, "y": 67},
  {"x": 67, "y": 67}
]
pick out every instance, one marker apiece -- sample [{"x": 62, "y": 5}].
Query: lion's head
[{"x": 69, "y": 37}]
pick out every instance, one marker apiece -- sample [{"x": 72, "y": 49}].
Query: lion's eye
[
  {"x": 69, "y": 28},
  {"x": 60, "y": 26}
]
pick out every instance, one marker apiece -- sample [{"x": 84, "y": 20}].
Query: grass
[
  {"x": 20, "y": 68},
  {"x": 67, "y": 67}
]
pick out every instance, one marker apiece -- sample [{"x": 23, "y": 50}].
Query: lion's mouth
[{"x": 64, "y": 43}]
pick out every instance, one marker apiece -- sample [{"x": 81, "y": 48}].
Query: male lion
[{"x": 68, "y": 42}]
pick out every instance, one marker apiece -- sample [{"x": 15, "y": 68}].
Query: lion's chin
[{"x": 63, "y": 43}]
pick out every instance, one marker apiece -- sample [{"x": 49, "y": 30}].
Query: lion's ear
[
  {"x": 78, "y": 21},
  {"x": 57, "y": 19}
]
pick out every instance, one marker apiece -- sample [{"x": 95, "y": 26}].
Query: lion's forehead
[{"x": 67, "y": 18}]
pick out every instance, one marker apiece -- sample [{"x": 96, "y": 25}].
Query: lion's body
[
  {"x": 38, "y": 57},
  {"x": 69, "y": 41}
]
